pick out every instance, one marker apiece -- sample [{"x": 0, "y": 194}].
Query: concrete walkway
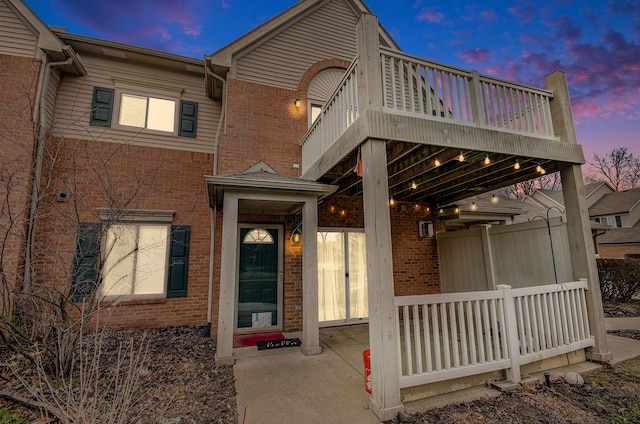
[{"x": 284, "y": 385}]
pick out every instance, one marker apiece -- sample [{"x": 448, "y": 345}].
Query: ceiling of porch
[{"x": 435, "y": 176}]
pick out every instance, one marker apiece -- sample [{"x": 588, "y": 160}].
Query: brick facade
[
  {"x": 18, "y": 135},
  {"x": 617, "y": 251},
  {"x": 107, "y": 175}
]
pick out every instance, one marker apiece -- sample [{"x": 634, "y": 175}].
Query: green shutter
[
  {"x": 178, "y": 260},
  {"x": 188, "y": 119},
  {"x": 101, "y": 107},
  {"x": 84, "y": 277}
]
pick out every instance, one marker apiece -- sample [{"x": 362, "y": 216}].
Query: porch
[
  {"x": 285, "y": 385},
  {"x": 425, "y": 135}
]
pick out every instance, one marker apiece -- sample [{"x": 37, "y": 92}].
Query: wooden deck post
[
  {"x": 578, "y": 224},
  {"x": 385, "y": 400}
]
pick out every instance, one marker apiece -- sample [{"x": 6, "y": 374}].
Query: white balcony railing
[
  {"x": 455, "y": 335},
  {"x": 428, "y": 89},
  {"x": 337, "y": 115}
]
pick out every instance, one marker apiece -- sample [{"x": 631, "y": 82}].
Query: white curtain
[
  {"x": 358, "y": 294},
  {"x": 331, "y": 276}
]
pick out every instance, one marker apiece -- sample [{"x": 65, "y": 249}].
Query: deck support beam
[{"x": 578, "y": 224}]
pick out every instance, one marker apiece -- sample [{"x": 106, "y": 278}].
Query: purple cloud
[
  {"x": 149, "y": 24},
  {"x": 431, "y": 15},
  {"x": 525, "y": 12},
  {"x": 475, "y": 55},
  {"x": 566, "y": 29}
]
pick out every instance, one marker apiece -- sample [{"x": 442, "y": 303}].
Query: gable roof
[
  {"x": 621, "y": 235},
  {"x": 223, "y": 57},
  {"x": 48, "y": 42},
  {"x": 616, "y": 202}
]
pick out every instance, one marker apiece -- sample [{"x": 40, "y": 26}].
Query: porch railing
[
  {"x": 428, "y": 89},
  {"x": 336, "y": 116},
  {"x": 447, "y": 336}
]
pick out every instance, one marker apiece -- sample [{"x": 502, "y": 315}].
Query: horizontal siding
[
  {"x": 50, "y": 97},
  {"x": 74, "y": 104},
  {"x": 326, "y": 33},
  {"x": 16, "y": 37}
]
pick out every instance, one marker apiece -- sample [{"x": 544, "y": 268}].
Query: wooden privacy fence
[{"x": 448, "y": 336}]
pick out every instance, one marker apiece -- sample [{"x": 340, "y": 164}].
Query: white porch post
[
  {"x": 310, "y": 324},
  {"x": 383, "y": 340},
  {"x": 385, "y": 400},
  {"x": 228, "y": 270},
  {"x": 579, "y": 228}
]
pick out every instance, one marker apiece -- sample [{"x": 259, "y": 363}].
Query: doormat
[
  {"x": 251, "y": 339},
  {"x": 277, "y": 344}
]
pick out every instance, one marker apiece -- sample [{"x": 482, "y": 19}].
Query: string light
[
  {"x": 487, "y": 161},
  {"x": 517, "y": 165},
  {"x": 436, "y": 162},
  {"x": 542, "y": 171},
  {"x": 461, "y": 157},
  {"x": 392, "y": 202},
  {"x": 538, "y": 168},
  {"x": 441, "y": 211},
  {"x": 414, "y": 185},
  {"x": 343, "y": 213},
  {"x": 456, "y": 210}
]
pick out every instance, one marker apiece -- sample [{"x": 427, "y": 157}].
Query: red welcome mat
[{"x": 251, "y": 339}]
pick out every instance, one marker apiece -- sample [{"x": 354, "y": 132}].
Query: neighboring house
[
  {"x": 615, "y": 217},
  {"x": 221, "y": 192},
  {"x": 620, "y": 210}
]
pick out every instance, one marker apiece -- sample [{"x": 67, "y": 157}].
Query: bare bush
[{"x": 619, "y": 278}]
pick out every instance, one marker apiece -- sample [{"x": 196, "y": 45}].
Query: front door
[
  {"x": 259, "y": 278},
  {"x": 342, "y": 277}
]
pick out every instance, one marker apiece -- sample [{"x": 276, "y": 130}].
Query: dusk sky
[{"x": 597, "y": 42}]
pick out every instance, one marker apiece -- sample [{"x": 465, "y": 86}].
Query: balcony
[{"x": 450, "y": 133}]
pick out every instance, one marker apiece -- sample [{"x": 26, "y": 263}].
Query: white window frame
[
  {"x": 118, "y": 104},
  {"x": 310, "y": 105},
  {"x": 137, "y": 218}
]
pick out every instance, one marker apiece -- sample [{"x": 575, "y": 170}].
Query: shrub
[{"x": 619, "y": 278}]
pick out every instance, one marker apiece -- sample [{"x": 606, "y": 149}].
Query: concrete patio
[{"x": 284, "y": 385}]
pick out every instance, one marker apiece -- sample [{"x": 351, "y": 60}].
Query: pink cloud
[
  {"x": 488, "y": 15},
  {"x": 430, "y": 15},
  {"x": 475, "y": 55}
]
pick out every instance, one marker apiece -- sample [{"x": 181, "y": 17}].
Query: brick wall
[
  {"x": 613, "y": 251},
  {"x": 18, "y": 82},
  {"x": 108, "y": 175}
]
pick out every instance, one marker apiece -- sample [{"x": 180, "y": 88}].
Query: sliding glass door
[{"x": 342, "y": 277}]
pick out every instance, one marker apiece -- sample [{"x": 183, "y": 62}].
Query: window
[
  {"x": 139, "y": 259},
  {"x": 618, "y": 221},
  {"x": 147, "y": 112},
  {"x": 137, "y": 110},
  {"x": 314, "y": 111},
  {"x": 135, "y": 259},
  {"x": 604, "y": 220}
]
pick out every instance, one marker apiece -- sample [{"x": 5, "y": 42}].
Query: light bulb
[
  {"x": 473, "y": 206},
  {"x": 517, "y": 165},
  {"x": 494, "y": 199},
  {"x": 436, "y": 162},
  {"x": 414, "y": 185},
  {"x": 487, "y": 161},
  {"x": 461, "y": 157}
]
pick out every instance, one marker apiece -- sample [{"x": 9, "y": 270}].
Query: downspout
[
  {"x": 212, "y": 210},
  {"x": 595, "y": 242},
  {"x": 42, "y": 131}
]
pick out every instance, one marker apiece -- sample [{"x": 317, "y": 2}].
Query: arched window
[
  {"x": 321, "y": 88},
  {"x": 258, "y": 236}
]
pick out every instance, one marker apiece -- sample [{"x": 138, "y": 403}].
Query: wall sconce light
[
  {"x": 297, "y": 102},
  {"x": 494, "y": 199},
  {"x": 473, "y": 206},
  {"x": 517, "y": 165},
  {"x": 296, "y": 234}
]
